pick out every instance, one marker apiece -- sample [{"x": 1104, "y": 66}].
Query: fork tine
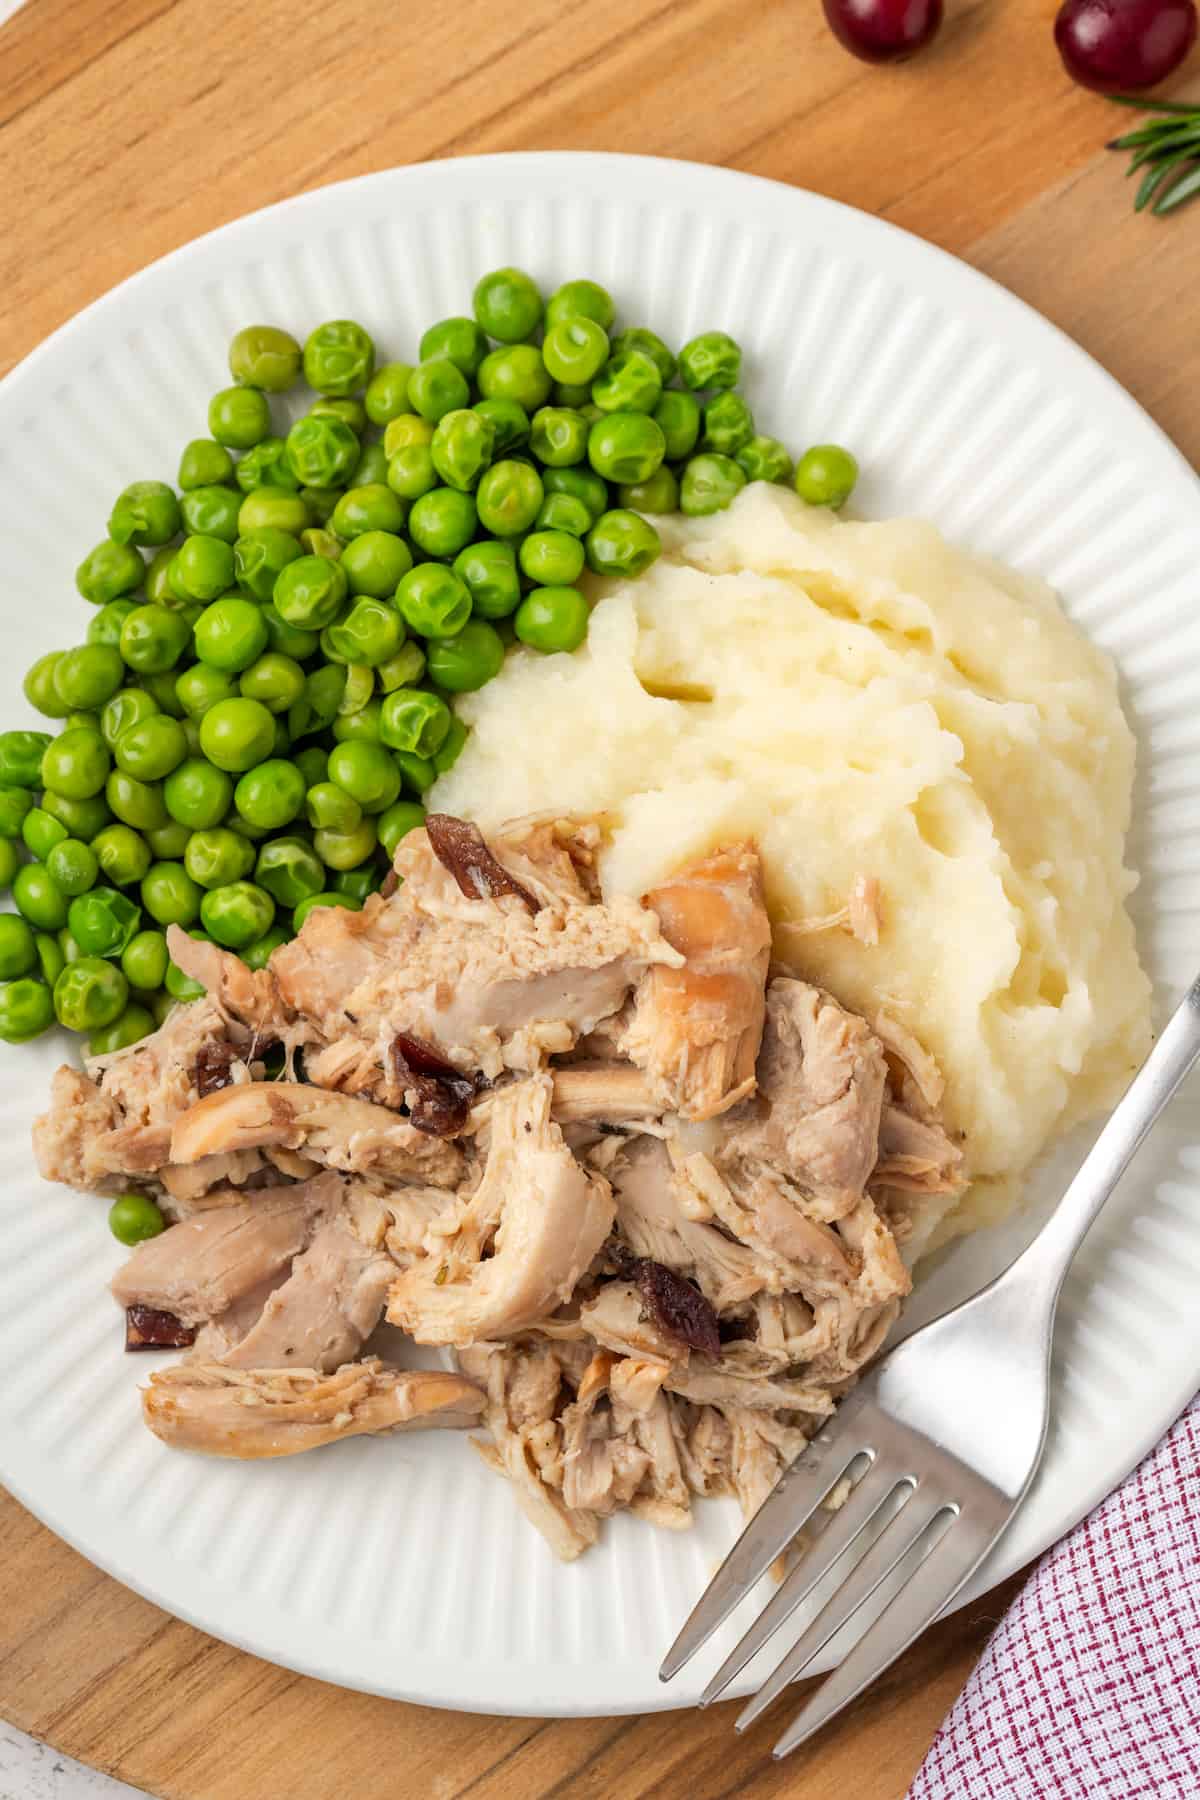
[
  {"x": 943, "y": 1570},
  {"x": 788, "y": 1507},
  {"x": 869, "y": 1494},
  {"x": 889, "y": 1548}
]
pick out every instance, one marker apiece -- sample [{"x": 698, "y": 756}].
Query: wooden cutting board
[{"x": 128, "y": 127}]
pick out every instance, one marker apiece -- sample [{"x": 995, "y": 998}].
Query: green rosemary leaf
[
  {"x": 1160, "y": 106},
  {"x": 1169, "y": 149},
  {"x": 1148, "y": 188},
  {"x": 1185, "y": 188}
]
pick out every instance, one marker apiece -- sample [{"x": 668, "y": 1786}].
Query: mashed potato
[{"x": 862, "y": 699}]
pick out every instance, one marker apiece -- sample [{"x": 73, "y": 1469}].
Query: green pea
[
  {"x": 237, "y": 913},
  {"x": 418, "y": 772},
  {"x": 647, "y": 343},
  {"x": 204, "y": 566},
  {"x": 339, "y": 358},
  {"x": 90, "y": 994},
  {"x": 204, "y": 463},
  {"x": 507, "y": 305},
  {"x": 289, "y": 870},
  {"x": 78, "y": 818},
  {"x": 559, "y": 436},
  {"x": 181, "y": 987},
  {"x": 404, "y": 669},
  {"x": 168, "y": 842},
  {"x": 433, "y": 601},
  {"x": 132, "y": 1218},
  {"x": 488, "y": 570},
  {"x": 387, "y": 392},
  {"x": 405, "y": 430},
  {"x": 236, "y": 734},
  {"x": 26, "y": 1010},
  {"x": 621, "y": 543},
  {"x": 40, "y": 831},
  {"x": 144, "y": 960},
  {"x": 258, "y": 954},
  {"x": 310, "y": 591},
  {"x": 345, "y": 850},
  {"x": 146, "y": 512},
  {"x": 442, "y": 522},
  {"x": 371, "y": 469},
  {"x": 329, "y": 807},
  {"x": 212, "y": 512},
  {"x": 363, "y": 509},
  {"x": 552, "y": 618},
  {"x": 151, "y": 748},
  {"x": 239, "y": 417},
  {"x": 292, "y": 641},
  {"x": 626, "y": 446},
  {"x": 130, "y": 706},
  {"x": 321, "y": 501},
  {"x": 230, "y": 634},
  {"x": 710, "y": 483},
  {"x": 153, "y": 639},
  {"x": 826, "y": 475},
  {"x": 765, "y": 459},
  {"x": 728, "y": 424},
  {"x": 321, "y": 451},
  {"x": 263, "y": 356},
  {"x": 711, "y": 360},
  {"x": 323, "y": 690},
  {"x": 9, "y": 862},
  {"x": 18, "y": 951},
  {"x": 460, "y": 340},
  {"x": 374, "y": 562},
  {"x": 270, "y": 795},
  {"x": 575, "y": 350},
  {"x": 50, "y": 960},
  {"x": 170, "y": 895},
  {"x": 508, "y": 499},
  {"x": 104, "y": 628},
  {"x": 76, "y": 763},
  {"x": 306, "y": 906},
  {"x": 260, "y": 556},
  {"x": 134, "y": 802},
  {"x": 130, "y": 1027},
  {"x": 509, "y": 422},
  {"x": 580, "y": 299},
  {"x": 658, "y": 495},
  {"x": 574, "y": 394},
  {"x": 103, "y": 922},
  {"x": 109, "y": 571},
  {"x": 551, "y": 558},
  {"x": 15, "y": 802},
  {"x": 200, "y": 688},
  {"x": 397, "y": 822},
  {"x": 629, "y": 383},
  {"x": 515, "y": 373},
  {"x": 39, "y": 685},
  {"x": 120, "y": 851},
  {"x": 462, "y": 447},
  {"x": 351, "y": 412},
  {"x": 436, "y": 388},
  {"x": 73, "y": 866},
  {"x": 414, "y": 720},
  {"x": 368, "y": 635},
  {"x": 312, "y": 763},
  {"x": 580, "y": 484},
  {"x": 411, "y": 472},
  {"x": 214, "y": 858},
  {"x": 359, "y": 883},
  {"x": 363, "y": 724},
  {"x": 463, "y": 663},
  {"x": 367, "y": 773},
  {"x": 272, "y": 509},
  {"x": 158, "y": 586},
  {"x": 275, "y": 680}
]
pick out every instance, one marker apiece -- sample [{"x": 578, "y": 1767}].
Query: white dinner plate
[{"x": 403, "y": 1566}]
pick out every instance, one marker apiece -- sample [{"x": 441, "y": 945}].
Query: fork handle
[{"x": 1045, "y": 1263}]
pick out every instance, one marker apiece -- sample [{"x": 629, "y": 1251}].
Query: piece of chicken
[
  {"x": 655, "y": 1224},
  {"x": 610, "y": 1093},
  {"x": 249, "y": 996},
  {"x": 917, "y": 1155},
  {"x": 281, "y": 1412},
  {"x": 200, "y": 1267},
  {"x": 696, "y": 1030},
  {"x": 537, "y": 1209},
  {"x": 353, "y": 1135},
  {"x": 325, "y": 1311},
  {"x": 816, "y": 1116}
]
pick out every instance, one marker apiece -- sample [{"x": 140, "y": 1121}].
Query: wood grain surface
[{"x": 128, "y": 127}]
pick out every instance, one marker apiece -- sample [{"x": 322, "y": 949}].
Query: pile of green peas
[{"x": 266, "y": 688}]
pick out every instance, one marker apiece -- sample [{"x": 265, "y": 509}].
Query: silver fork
[{"x": 937, "y": 1480}]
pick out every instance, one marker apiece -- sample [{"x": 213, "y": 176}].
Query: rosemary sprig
[{"x": 1167, "y": 149}]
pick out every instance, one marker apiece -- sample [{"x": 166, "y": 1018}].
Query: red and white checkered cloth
[{"x": 1090, "y": 1687}]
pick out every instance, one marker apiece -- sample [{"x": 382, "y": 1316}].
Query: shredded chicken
[{"x": 658, "y": 1200}]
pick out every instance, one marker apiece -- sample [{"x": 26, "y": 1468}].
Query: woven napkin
[{"x": 1090, "y": 1687}]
